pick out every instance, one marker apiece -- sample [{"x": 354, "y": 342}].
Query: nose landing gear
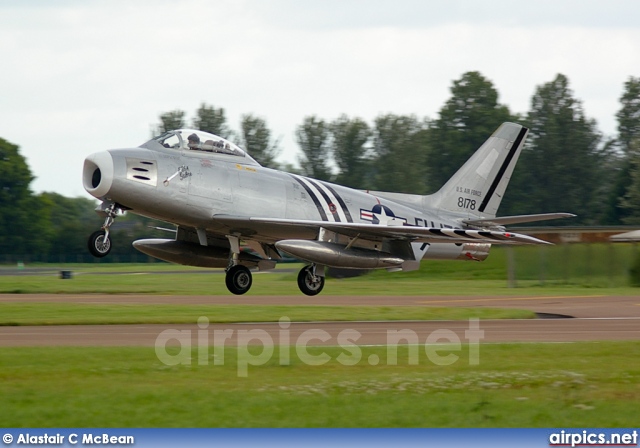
[{"x": 99, "y": 242}]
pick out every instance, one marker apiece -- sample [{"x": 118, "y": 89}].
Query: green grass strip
[
  {"x": 33, "y": 313},
  {"x": 514, "y": 385},
  {"x": 567, "y": 269},
  {"x": 284, "y": 284}
]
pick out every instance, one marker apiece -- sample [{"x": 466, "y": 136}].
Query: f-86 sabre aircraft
[{"x": 222, "y": 202}]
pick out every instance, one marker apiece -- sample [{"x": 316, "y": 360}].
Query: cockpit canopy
[{"x": 195, "y": 140}]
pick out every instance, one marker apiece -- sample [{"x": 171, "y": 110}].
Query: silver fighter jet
[{"x": 224, "y": 203}]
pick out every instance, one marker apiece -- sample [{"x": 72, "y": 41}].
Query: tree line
[{"x": 567, "y": 164}]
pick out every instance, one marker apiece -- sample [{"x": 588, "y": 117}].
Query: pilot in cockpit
[{"x": 194, "y": 141}]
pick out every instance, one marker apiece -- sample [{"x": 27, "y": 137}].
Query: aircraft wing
[
  {"x": 401, "y": 231},
  {"x": 506, "y": 220}
]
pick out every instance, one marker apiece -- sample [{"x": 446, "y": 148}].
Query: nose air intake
[
  {"x": 96, "y": 178},
  {"x": 97, "y": 174}
]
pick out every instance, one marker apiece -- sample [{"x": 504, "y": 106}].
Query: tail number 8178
[{"x": 467, "y": 203}]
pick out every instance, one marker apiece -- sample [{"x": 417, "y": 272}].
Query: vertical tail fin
[{"x": 477, "y": 188}]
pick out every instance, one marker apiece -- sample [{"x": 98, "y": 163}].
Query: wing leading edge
[{"x": 402, "y": 232}]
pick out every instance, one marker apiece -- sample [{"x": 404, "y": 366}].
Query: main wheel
[
  {"x": 308, "y": 283},
  {"x": 238, "y": 279},
  {"x": 99, "y": 246}
]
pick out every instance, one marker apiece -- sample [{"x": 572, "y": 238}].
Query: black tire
[
  {"x": 238, "y": 279},
  {"x": 98, "y": 246},
  {"x": 308, "y": 284}
]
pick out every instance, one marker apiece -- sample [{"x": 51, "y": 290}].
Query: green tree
[
  {"x": 466, "y": 120},
  {"x": 618, "y": 165},
  {"x": 629, "y": 115},
  {"x": 23, "y": 216},
  {"x": 171, "y": 120},
  {"x": 631, "y": 200},
  {"x": 290, "y": 168},
  {"x": 213, "y": 120},
  {"x": 313, "y": 138},
  {"x": 350, "y": 137},
  {"x": 620, "y": 209},
  {"x": 255, "y": 138},
  {"x": 562, "y": 157},
  {"x": 400, "y": 147},
  {"x": 70, "y": 220}
]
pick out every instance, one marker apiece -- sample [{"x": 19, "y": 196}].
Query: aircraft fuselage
[{"x": 222, "y": 185}]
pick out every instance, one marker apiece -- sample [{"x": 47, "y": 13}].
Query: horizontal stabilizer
[
  {"x": 633, "y": 236},
  {"x": 507, "y": 220}
]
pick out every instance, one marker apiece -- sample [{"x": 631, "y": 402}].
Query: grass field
[
  {"x": 514, "y": 385},
  {"x": 40, "y": 313},
  {"x": 575, "y": 269}
]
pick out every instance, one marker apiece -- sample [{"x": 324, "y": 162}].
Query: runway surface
[{"x": 588, "y": 318}]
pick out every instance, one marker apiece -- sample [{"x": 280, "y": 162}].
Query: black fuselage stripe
[
  {"x": 326, "y": 197},
  {"x": 340, "y": 201},
  {"x": 314, "y": 198},
  {"x": 503, "y": 169}
]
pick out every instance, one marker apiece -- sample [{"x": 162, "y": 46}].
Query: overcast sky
[{"x": 78, "y": 77}]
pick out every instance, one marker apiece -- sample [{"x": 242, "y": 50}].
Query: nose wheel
[
  {"x": 99, "y": 241},
  {"x": 99, "y": 244},
  {"x": 238, "y": 279},
  {"x": 309, "y": 282}
]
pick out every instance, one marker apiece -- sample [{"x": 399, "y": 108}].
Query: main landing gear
[
  {"x": 238, "y": 279},
  {"x": 310, "y": 281},
  {"x": 99, "y": 242}
]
